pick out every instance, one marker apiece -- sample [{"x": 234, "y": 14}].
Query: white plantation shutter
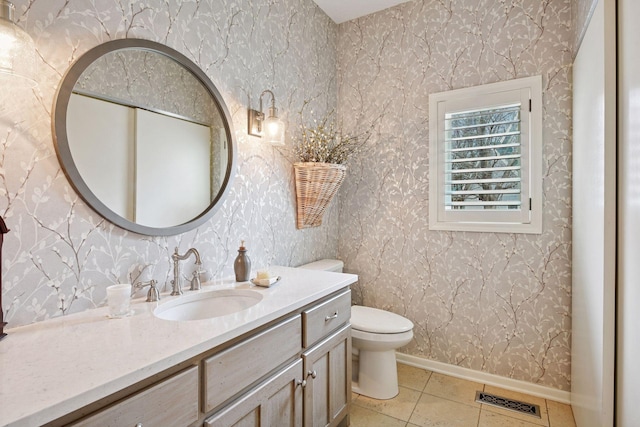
[{"x": 485, "y": 158}]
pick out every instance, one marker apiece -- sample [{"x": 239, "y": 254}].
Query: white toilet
[{"x": 376, "y": 334}]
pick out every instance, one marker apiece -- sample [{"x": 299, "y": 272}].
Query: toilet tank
[{"x": 325, "y": 265}]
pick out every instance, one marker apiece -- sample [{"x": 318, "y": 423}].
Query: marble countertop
[{"x": 51, "y": 368}]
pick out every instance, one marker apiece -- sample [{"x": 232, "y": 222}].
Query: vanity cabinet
[
  {"x": 171, "y": 402},
  {"x": 321, "y": 399},
  {"x": 293, "y": 372}
]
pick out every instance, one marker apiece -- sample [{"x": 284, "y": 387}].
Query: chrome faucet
[{"x": 177, "y": 278}]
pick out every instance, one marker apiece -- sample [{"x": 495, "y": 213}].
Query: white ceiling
[{"x": 346, "y": 10}]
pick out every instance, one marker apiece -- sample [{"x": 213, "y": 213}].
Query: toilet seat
[
  {"x": 373, "y": 341},
  {"x": 375, "y": 321}
]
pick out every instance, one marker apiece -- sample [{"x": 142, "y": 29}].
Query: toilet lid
[{"x": 368, "y": 319}]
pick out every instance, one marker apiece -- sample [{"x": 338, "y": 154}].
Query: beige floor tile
[
  {"x": 451, "y": 388},
  {"x": 363, "y": 417},
  {"x": 399, "y": 407},
  {"x": 544, "y": 420},
  {"x": 492, "y": 419},
  {"x": 560, "y": 415},
  {"x": 449, "y": 401},
  {"x": 412, "y": 377},
  {"x": 436, "y": 411}
]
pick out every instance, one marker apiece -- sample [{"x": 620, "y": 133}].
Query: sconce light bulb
[{"x": 273, "y": 127}]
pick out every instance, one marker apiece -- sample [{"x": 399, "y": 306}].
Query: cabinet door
[
  {"x": 276, "y": 402},
  {"x": 327, "y": 367}
]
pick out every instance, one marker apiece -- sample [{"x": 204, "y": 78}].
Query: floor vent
[{"x": 509, "y": 404}]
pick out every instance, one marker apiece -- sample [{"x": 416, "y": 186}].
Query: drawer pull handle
[
  {"x": 333, "y": 316},
  {"x": 313, "y": 374},
  {"x": 302, "y": 383}
]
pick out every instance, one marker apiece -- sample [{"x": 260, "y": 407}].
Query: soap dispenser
[{"x": 242, "y": 264}]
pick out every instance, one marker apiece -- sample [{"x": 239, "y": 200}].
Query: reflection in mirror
[
  {"x": 174, "y": 132},
  {"x": 147, "y": 137}
]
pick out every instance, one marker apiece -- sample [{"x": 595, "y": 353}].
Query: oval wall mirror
[{"x": 144, "y": 137}]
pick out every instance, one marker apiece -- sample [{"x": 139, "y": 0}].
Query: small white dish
[
  {"x": 128, "y": 314},
  {"x": 265, "y": 283}
]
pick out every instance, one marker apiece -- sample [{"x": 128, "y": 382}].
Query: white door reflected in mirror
[
  {"x": 150, "y": 168},
  {"x": 173, "y": 169}
]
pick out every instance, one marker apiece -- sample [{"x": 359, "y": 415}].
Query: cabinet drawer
[
  {"x": 326, "y": 317},
  {"x": 171, "y": 402},
  {"x": 254, "y": 358}
]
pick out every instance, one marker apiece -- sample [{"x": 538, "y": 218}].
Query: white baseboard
[{"x": 485, "y": 378}]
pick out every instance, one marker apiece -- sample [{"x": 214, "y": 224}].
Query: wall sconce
[
  {"x": 271, "y": 127},
  {"x": 17, "y": 50}
]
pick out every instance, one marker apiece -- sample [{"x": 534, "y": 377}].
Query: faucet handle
[
  {"x": 196, "y": 285},
  {"x": 153, "y": 294}
]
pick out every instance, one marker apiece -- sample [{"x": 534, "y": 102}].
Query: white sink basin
[{"x": 208, "y": 304}]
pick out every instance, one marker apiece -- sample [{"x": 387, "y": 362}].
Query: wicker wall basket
[{"x": 316, "y": 184}]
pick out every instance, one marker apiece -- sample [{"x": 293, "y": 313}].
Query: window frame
[{"x": 528, "y": 91}]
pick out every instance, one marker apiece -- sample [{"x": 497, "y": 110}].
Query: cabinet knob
[
  {"x": 333, "y": 316},
  {"x": 313, "y": 374},
  {"x": 302, "y": 383},
  {"x": 139, "y": 425}
]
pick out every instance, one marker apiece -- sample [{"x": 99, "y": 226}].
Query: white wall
[
  {"x": 628, "y": 333},
  {"x": 593, "y": 258}
]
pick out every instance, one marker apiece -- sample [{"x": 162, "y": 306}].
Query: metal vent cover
[{"x": 509, "y": 404}]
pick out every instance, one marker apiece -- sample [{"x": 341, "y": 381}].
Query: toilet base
[{"x": 377, "y": 374}]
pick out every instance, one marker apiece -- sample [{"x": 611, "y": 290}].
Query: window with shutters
[{"x": 485, "y": 158}]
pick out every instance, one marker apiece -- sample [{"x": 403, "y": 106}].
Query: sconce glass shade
[
  {"x": 270, "y": 126},
  {"x": 17, "y": 50},
  {"x": 273, "y": 128}
]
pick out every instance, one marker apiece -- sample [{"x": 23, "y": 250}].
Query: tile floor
[{"x": 431, "y": 399}]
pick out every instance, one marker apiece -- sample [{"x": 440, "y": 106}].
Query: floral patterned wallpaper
[
  {"x": 60, "y": 255},
  {"x": 498, "y": 303}
]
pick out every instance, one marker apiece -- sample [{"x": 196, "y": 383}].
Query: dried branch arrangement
[{"x": 326, "y": 143}]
